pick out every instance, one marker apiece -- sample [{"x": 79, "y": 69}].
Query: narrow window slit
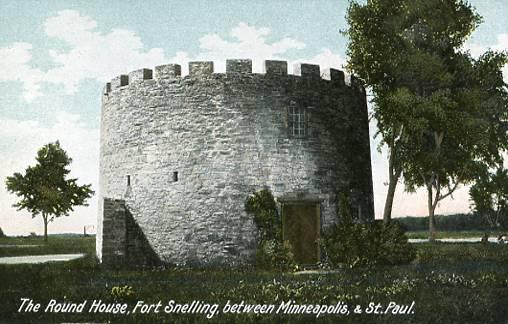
[{"x": 175, "y": 176}]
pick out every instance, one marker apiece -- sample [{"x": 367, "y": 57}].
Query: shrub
[
  {"x": 122, "y": 292},
  {"x": 2, "y": 234},
  {"x": 357, "y": 244},
  {"x": 272, "y": 253},
  {"x": 266, "y": 217}
]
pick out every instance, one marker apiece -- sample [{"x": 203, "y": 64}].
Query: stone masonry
[{"x": 180, "y": 155}]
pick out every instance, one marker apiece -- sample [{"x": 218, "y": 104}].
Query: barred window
[{"x": 297, "y": 121}]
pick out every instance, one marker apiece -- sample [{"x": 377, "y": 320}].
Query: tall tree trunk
[
  {"x": 45, "y": 218},
  {"x": 431, "y": 207},
  {"x": 393, "y": 178},
  {"x": 435, "y": 181},
  {"x": 387, "y": 213}
]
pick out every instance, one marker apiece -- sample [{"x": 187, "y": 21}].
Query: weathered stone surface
[
  {"x": 238, "y": 66},
  {"x": 119, "y": 81},
  {"x": 306, "y": 70},
  {"x": 200, "y": 68},
  {"x": 112, "y": 232},
  {"x": 335, "y": 76},
  {"x": 168, "y": 71},
  {"x": 276, "y": 67},
  {"x": 226, "y": 135},
  {"x": 107, "y": 88},
  {"x": 140, "y": 75}
]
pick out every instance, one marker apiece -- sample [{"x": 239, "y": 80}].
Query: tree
[
  {"x": 461, "y": 129},
  {"x": 396, "y": 47},
  {"x": 489, "y": 196},
  {"x": 432, "y": 101},
  {"x": 44, "y": 189}
]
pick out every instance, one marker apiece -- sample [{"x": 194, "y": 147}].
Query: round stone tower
[{"x": 180, "y": 155}]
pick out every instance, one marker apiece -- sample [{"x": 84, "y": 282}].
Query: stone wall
[
  {"x": 224, "y": 136},
  {"x": 113, "y": 232}
]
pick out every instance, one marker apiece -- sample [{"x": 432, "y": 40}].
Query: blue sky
[{"x": 56, "y": 55}]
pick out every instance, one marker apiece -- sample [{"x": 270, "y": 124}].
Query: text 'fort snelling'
[{"x": 209, "y": 310}]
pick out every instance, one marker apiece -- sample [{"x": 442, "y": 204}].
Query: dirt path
[{"x": 40, "y": 258}]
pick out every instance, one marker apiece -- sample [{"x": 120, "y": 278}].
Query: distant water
[
  {"x": 40, "y": 258},
  {"x": 455, "y": 240}
]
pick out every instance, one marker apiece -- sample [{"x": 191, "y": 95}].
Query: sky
[{"x": 56, "y": 55}]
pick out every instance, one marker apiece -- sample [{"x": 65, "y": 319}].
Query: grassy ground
[
  {"x": 449, "y": 283},
  {"x": 56, "y": 244}
]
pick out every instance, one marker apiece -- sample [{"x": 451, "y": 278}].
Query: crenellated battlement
[
  {"x": 197, "y": 69},
  {"x": 168, "y": 71},
  {"x": 204, "y": 69}
]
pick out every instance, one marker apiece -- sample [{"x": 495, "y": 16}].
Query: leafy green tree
[
  {"x": 459, "y": 129},
  {"x": 44, "y": 188},
  {"x": 397, "y": 47},
  {"x": 489, "y": 196},
  {"x": 438, "y": 110}
]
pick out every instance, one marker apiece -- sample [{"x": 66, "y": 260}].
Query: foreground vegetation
[{"x": 448, "y": 283}]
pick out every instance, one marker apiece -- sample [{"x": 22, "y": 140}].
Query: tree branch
[
  {"x": 450, "y": 191},
  {"x": 423, "y": 176},
  {"x": 438, "y": 138},
  {"x": 438, "y": 191}
]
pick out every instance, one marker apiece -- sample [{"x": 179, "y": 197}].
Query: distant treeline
[{"x": 455, "y": 222}]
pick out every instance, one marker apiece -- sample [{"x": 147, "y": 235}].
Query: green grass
[
  {"x": 449, "y": 283},
  {"x": 56, "y": 244}
]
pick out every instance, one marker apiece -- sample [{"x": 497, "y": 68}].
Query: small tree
[
  {"x": 489, "y": 196},
  {"x": 44, "y": 189}
]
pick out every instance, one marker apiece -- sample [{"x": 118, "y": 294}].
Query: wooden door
[{"x": 301, "y": 228}]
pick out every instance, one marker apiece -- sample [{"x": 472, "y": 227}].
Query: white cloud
[
  {"x": 475, "y": 49},
  {"x": 93, "y": 55},
  {"x": 14, "y": 64},
  {"x": 90, "y": 54},
  {"x": 20, "y": 142},
  {"x": 250, "y": 42},
  {"x": 71, "y": 27},
  {"x": 326, "y": 59},
  {"x": 502, "y": 42}
]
